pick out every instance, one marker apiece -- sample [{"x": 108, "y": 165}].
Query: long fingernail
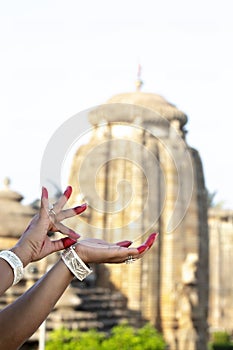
[
  {"x": 67, "y": 242},
  {"x": 149, "y": 242},
  {"x": 68, "y": 192},
  {"x": 125, "y": 243},
  {"x": 80, "y": 208},
  {"x": 74, "y": 234},
  {"x": 45, "y": 192},
  {"x": 142, "y": 248}
]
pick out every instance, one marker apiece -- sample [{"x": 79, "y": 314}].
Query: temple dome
[
  {"x": 127, "y": 107},
  {"x": 151, "y": 101}
]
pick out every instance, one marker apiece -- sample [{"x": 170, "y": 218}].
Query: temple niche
[{"x": 139, "y": 175}]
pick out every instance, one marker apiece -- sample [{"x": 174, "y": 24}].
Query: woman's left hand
[{"x": 97, "y": 251}]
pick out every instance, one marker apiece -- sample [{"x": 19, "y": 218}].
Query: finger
[
  {"x": 124, "y": 243},
  {"x": 143, "y": 248},
  {"x": 121, "y": 254},
  {"x": 138, "y": 252},
  {"x": 150, "y": 240},
  {"x": 67, "y": 242},
  {"x": 44, "y": 208},
  {"x": 63, "y": 199},
  {"x": 66, "y": 231},
  {"x": 62, "y": 243},
  {"x": 68, "y": 213}
]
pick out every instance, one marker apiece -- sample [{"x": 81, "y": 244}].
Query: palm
[{"x": 93, "y": 250}]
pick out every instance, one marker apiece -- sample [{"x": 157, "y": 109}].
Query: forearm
[
  {"x": 6, "y": 271},
  {"x": 6, "y": 276},
  {"x": 31, "y": 309}
]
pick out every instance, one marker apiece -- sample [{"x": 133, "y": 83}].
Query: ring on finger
[
  {"x": 51, "y": 210},
  {"x": 130, "y": 259}
]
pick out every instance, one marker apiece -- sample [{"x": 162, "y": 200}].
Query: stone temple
[{"x": 139, "y": 175}]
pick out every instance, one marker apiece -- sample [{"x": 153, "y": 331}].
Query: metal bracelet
[
  {"x": 75, "y": 264},
  {"x": 15, "y": 263}
]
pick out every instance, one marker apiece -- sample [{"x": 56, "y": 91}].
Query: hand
[
  {"x": 98, "y": 251},
  {"x": 35, "y": 243}
]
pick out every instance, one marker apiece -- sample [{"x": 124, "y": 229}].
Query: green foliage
[
  {"x": 221, "y": 341},
  {"x": 221, "y": 338},
  {"x": 64, "y": 339},
  {"x": 123, "y": 337}
]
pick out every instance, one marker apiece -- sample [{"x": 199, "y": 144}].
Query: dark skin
[{"x": 35, "y": 244}]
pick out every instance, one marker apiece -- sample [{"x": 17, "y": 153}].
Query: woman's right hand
[{"x": 35, "y": 244}]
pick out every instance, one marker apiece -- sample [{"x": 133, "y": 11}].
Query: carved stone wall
[
  {"x": 221, "y": 261},
  {"x": 131, "y": 144}
]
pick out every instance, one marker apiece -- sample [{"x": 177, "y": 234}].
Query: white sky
[{"x": 59, "y": 57}]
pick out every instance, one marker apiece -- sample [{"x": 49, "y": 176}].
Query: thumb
[
  {"x": 67, "y": 242},
  {"x": 62, "y": 243}
]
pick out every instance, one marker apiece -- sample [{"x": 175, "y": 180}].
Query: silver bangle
[
  {"x": 15, "y": 263},
  {"x": 75, "y": 263}
]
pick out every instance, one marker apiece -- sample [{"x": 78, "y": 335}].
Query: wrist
[
  {"x": 15, "y": 263},
  {"x": 75, "y": 264},
  {"x": 78, "y": 248},
  {"x": 24, "y": 257}
]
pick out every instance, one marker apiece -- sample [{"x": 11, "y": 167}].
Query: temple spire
[{"x": 139, "y": 81}]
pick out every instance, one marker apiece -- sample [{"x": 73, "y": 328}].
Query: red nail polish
[
  {"x": 68, "y": 192},
  {"x": 45, "y": 193},
  {"x": 80, "y": 208},
  {"x": 142, "y": 248},
  {"x": 73, "y": 234},
  {"x": 149, "y": 242},
  {"x": 67, "y": 242},
  {"x": 124, "y": 243}
]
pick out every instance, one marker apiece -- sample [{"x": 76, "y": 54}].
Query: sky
[{"x": 58, "y": 58}]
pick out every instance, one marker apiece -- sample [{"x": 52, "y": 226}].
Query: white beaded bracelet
[
  {"x": 15, "y": 263},
  {"x": 75, "y": 263}
]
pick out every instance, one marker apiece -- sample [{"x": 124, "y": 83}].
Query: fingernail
[
  {"x": 80, "y": 208},
  {"x": 45, "y": 193},
  {"x": 74, "y": 234},
  {"x": 68, "y": 192},
  {"x": 142, "y": 248},
  {"x": 149, "y": 242},
  {"x": 125, "y": 243},
  {"x": 67, "y": 242}
]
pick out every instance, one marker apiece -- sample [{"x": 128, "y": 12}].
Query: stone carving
[
  {"x": 148, "y": 284},
  {"x": 187, "y": 305}
]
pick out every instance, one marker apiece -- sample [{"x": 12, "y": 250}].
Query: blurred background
[{"x": 61, "y": 57}]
